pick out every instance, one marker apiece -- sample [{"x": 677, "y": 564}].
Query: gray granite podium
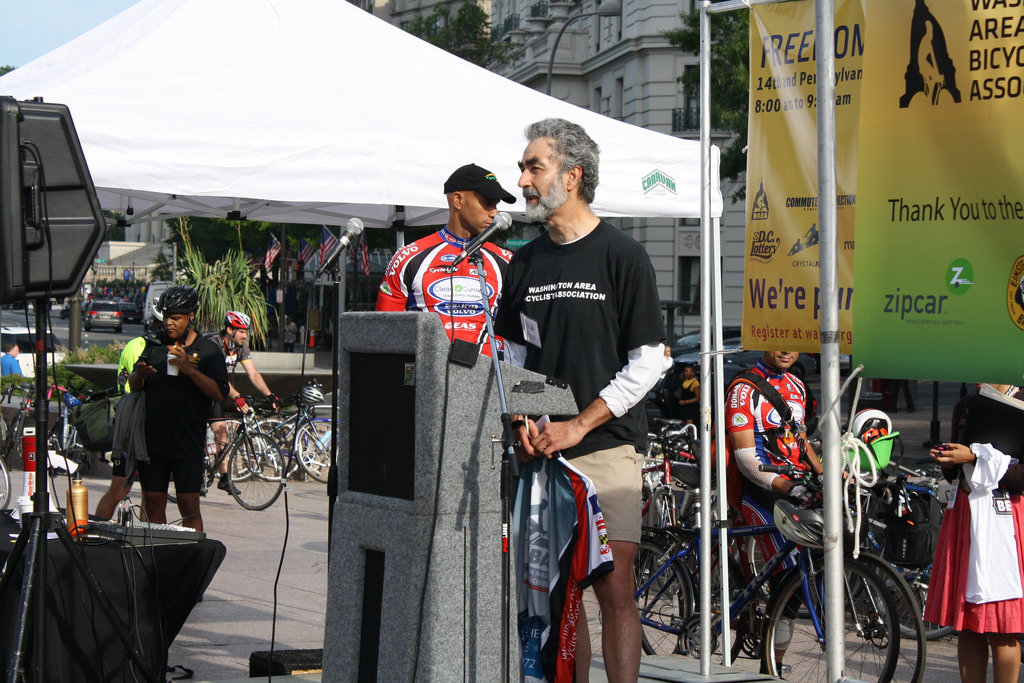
[{"x": 399, "y": 444}]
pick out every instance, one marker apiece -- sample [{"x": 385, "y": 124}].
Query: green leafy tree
[
  {"x": 4, "y": 69},
  {"x": 162, "y": 267},
  {"x": 730, "y": 79},
  {"x": 466, "y": 35}
]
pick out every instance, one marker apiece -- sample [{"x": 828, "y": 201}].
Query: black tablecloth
[{"x": 153, "y": 590}]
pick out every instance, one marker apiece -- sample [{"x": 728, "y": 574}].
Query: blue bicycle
[{"x": 783, "y": 627}]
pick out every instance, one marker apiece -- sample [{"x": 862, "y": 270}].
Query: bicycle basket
[{"x": 881, "y": 449}]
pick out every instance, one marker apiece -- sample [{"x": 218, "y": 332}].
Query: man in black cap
[{"x": 420, "y": 276}]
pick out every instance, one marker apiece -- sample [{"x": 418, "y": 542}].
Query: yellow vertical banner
[
  {"x": 940, "y": 252},
  {"x": 781, "y": 301}
]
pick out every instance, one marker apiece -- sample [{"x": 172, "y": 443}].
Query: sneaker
[{"x": 223, "y": 484}]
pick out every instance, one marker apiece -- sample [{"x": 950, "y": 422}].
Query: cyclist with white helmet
[{"x": 233, "y": 341}]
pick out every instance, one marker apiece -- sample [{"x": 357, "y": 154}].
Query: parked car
[
  {"x": 103, "y": 313},
  {"x": 132, "y": 312},
  {"x": 689, "y": 343},
  {"x": 25, "y": 339}
]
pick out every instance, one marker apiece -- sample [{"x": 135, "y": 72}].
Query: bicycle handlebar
[{"x": 806, "y": 477}]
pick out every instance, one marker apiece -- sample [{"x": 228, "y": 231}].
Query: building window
[
  {"x": 687, "y": 117},
  {"x": 689, "y": 281},
  {"x": 619, "y": 97}
]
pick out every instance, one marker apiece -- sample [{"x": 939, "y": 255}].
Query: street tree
[
  {"x": 466, "y": 35},
  {"x": 162, "y": 267},
  {"x": 730, "y": 80}
]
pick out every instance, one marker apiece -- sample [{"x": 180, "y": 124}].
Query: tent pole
[
  {"x": 824, "y": 20},
  {"x": 281, "y": 284},
  {"x": 706, "y": 281},
  {"x": 719, "y": 418}
]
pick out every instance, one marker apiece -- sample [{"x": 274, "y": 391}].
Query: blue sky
[{"x": 31, "y": 28}]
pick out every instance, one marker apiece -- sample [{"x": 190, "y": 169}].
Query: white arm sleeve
[
  {"x": 515, "y": 354},
  {"x": 747, "y": 462},
  {"x": 631, "y": 384}
]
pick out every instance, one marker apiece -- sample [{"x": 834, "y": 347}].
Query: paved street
[{"x": 235, "y": 618}]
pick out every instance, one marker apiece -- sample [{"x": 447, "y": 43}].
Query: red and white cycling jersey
[
  {"x": 746, "y": 408},
  {"x": 420, "y": 277}
]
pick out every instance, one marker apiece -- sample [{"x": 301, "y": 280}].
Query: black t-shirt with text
[{"x": 592, "y": 301}]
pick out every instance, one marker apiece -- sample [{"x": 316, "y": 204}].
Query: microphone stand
[{"x": 509, "y": 474}]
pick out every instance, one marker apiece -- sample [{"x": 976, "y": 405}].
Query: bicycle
[
  {"x": 255, "y": 463},
  {"x": 303, "y": 437},
  {"x": 12, "y": 439},
  {"x": 795, "y": 608},
  {"x": 909, "y": 488},
  {"x": 666, "y": 584}
]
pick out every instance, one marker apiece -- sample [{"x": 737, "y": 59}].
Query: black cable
[{"x": 277, "y": 578}]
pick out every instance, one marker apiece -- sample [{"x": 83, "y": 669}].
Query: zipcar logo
[{"x": 655, "y": 179}]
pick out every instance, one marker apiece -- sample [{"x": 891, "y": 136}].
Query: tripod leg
[{"x": 34, "y": 537}]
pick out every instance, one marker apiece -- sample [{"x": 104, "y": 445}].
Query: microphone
[
  {"x": 500, "y": 223},
  {"x": 352, "y": 230}
]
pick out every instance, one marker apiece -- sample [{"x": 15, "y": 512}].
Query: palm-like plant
[{"x": 227, "y": 285}]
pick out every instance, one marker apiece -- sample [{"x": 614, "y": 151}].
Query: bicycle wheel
[
  {"x": 745, "y": 628},
  {"x": 666, "y": 603},
  {"x": 918, "y": 581},
  {"x": 792, "y": 646},
  {"x": 314, "y": 451},
  {"x": 5, "y": 486},
  {"x": 281, "y": 430},
  {"x": 914, "y": 645},
  {"x": 12, "y": 444},
  {"x": 258, "y": 457}
]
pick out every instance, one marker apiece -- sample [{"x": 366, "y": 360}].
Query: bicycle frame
[{"x": 755, "y": 584}]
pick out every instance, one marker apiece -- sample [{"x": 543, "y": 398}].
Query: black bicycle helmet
[
  {"x": 803, "y": 526},
  {"x": 179, "y": 299},
  {"x": 311, "y": 395}
]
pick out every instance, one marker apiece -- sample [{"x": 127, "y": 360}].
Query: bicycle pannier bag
[
  {"x": 95, "y": 424},
  {"x": 911, "y": 537}
]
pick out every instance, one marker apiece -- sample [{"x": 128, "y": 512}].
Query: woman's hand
[{"x": 949, "y": 454}]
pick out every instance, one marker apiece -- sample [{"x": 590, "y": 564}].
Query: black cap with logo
[{"x": 473, "y": 177}]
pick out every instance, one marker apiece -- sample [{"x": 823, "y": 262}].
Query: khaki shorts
[{"x": 617, "y": 479}]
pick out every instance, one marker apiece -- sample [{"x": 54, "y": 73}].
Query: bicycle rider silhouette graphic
[{"x": 930, "y": 70}]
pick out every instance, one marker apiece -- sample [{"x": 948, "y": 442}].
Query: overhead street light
[{"x": 606, "y": 9}]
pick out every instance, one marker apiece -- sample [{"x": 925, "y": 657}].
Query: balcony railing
[
  {"x": 501, "y": 29},
  {"x": 686, "y": 118},
  {"x": 538, "y": 10}
]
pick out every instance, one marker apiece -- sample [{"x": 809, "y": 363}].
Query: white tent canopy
[{"x": 313, "y": 111}]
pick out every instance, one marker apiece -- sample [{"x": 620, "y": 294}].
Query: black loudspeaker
[{"x": 50, "y": 220}]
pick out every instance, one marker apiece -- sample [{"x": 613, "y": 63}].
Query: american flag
[
  {"x": 306, "y": 251},
  {"x": 327, "y": 242},
  {"x": 366, "y": 258},
  {"x": 273, "y": 249}
]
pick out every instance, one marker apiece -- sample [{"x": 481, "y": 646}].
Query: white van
[{"x": 156, "y": 288}]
